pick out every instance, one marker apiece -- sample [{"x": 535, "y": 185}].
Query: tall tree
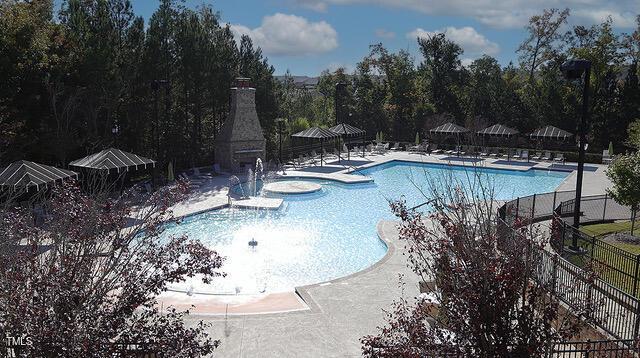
[
  {"x": 442, "y": 70},
  {"x": 543, "y": 42}
]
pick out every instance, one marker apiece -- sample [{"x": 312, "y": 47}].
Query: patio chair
[
  {"x": 312, "y": 158},
  {"x": 547, "y": 156},
  {"x": 485, "y": 152},
  {"x": 369, "y": 148},
  {"x": 461, "y": 150},
  {"x": 385, "y": 147},
  {"x": 328, "y": 155},
  {"x": 524, "y": 155},
  {"x": 396, "y": 146},
  {"x": 559, "y": 158},
  {"x": 517, "y": 154},
  {"x": 538, "y": 156},
  {"x": 606, "y": 157},
  {"x": 437, "y": 150},
  {"x": 495, "y": 154}
]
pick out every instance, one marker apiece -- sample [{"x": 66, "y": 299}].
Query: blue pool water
[{"x": 332, "y": 233}]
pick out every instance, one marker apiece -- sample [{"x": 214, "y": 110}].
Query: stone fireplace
[{"x": 241, "y": 140}]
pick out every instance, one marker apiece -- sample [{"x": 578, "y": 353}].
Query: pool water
[{"x": 331, "y": 233}]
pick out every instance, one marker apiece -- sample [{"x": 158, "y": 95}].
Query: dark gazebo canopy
[
  {"x": 316, "y": 133},
  {"x": 498, "y": 130},
  {"x": 347, "y": 130},
  {"x": 449, "y": 128},
  {"x": 550, "y": 132},
  {"x": 25, "y": 174},
  {"x": 112, "y": 158}
]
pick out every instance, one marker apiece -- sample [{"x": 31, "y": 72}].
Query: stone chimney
[{"x": 241, "y": 140}]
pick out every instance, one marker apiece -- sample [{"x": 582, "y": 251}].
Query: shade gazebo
[
  {"x": 348, "y": 131},
  {"x": 498, "y": 130},
  {"x": 550, "y": 132},
  {"x": 113, "y": 159},
  {"x": 25, "y": 175},
  {"x": 317, "y": 133},
  {"x": 449, "y": 128}
]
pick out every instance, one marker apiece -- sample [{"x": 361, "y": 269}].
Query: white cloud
[
  {"x": 466, "y": 62},
  {"x": 504, "y": 13},
  {"x": 384, "y": 34},
  {"x": 472, "y": 42},
  {"x": 290, "y": 35},
  {"x": 334, "y": 66}
]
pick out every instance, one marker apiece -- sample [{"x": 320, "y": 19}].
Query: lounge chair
[
  {"x": 559, "y": 158},
  {"x": 547, "y": 156},
  {"x": 369, "y": 148},
  {"x": 517, "y": 154},
  {"x": 524, "y": 155},
  {"x": 217, "y": 170},
  {"x": 538, "y": 156},
  {"x": 436, "y": 150},
  {"x": 495, "y": 154},
  {"x": 396, "y": 146},
  {"x": 485, "y": 152},
  {"x": 606, "y": 157}
]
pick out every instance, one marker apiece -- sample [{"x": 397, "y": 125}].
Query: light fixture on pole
[
  {"x": 575, "y": 70},
  {"x": 280, "y": 122}
]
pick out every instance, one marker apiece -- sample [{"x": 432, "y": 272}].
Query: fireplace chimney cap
[{"x": 243, "y": 82}]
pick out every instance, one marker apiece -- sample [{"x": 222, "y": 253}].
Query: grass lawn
[
  {"x": 621, "y": 266},
  {"x": 601, "y": 229}
]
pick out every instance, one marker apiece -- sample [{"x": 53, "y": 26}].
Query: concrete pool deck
[
  {"x": 337, "y": 313},
  {"x": 212, "y": 194}
]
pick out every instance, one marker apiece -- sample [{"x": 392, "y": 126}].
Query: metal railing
[
  {"x": 566, "y": 349},
  {"x": 611, "y": 279},
  {"x": 614, "y": 265}
]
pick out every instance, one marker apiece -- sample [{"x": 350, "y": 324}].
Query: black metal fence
[
  {"x": 567, "y": 349},
  {"x": 536, "y": 207},
  {"x": 600, "y": 273},
  {"x": 614, "y": 265},
  {"x": 608, "y": 307}
]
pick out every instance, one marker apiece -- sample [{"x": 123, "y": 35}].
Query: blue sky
[{"x": 308, "y": 36}]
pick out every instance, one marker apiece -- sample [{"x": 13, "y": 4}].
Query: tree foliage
[
  {"x": 624, "y": 173},
  {"x": 72, "y": 82},
  {"x": 479, "y": 296},
  {"x": 84, "y": 282}
]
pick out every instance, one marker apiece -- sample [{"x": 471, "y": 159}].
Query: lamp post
[
  {"x": 280, "y": 121},
  {"x": 115, "y": 130},
  {"x": 573, "y": 70}
]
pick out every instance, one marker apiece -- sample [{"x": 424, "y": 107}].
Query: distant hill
[{"x": 301, "y": 81}]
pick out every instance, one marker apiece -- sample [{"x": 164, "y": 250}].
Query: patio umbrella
[
  {"x": 112, "y": 159},
  {"x": 348, "y": 131},
  {"x": 317, "y": 133},
  {"x": 170, "y": 174},
  {"x": 550, "y": 132},
  {"x": 25, "y": 174}
]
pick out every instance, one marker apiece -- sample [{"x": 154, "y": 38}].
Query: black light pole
[
  {"x": 339, "y": 104},
  {"x": 572, "y": 70},
  {"x": 115, "y": 131},
  {"x": 280, "y": 122}
]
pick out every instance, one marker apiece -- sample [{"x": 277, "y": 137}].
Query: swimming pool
[{"x": 328, "y": 234}]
